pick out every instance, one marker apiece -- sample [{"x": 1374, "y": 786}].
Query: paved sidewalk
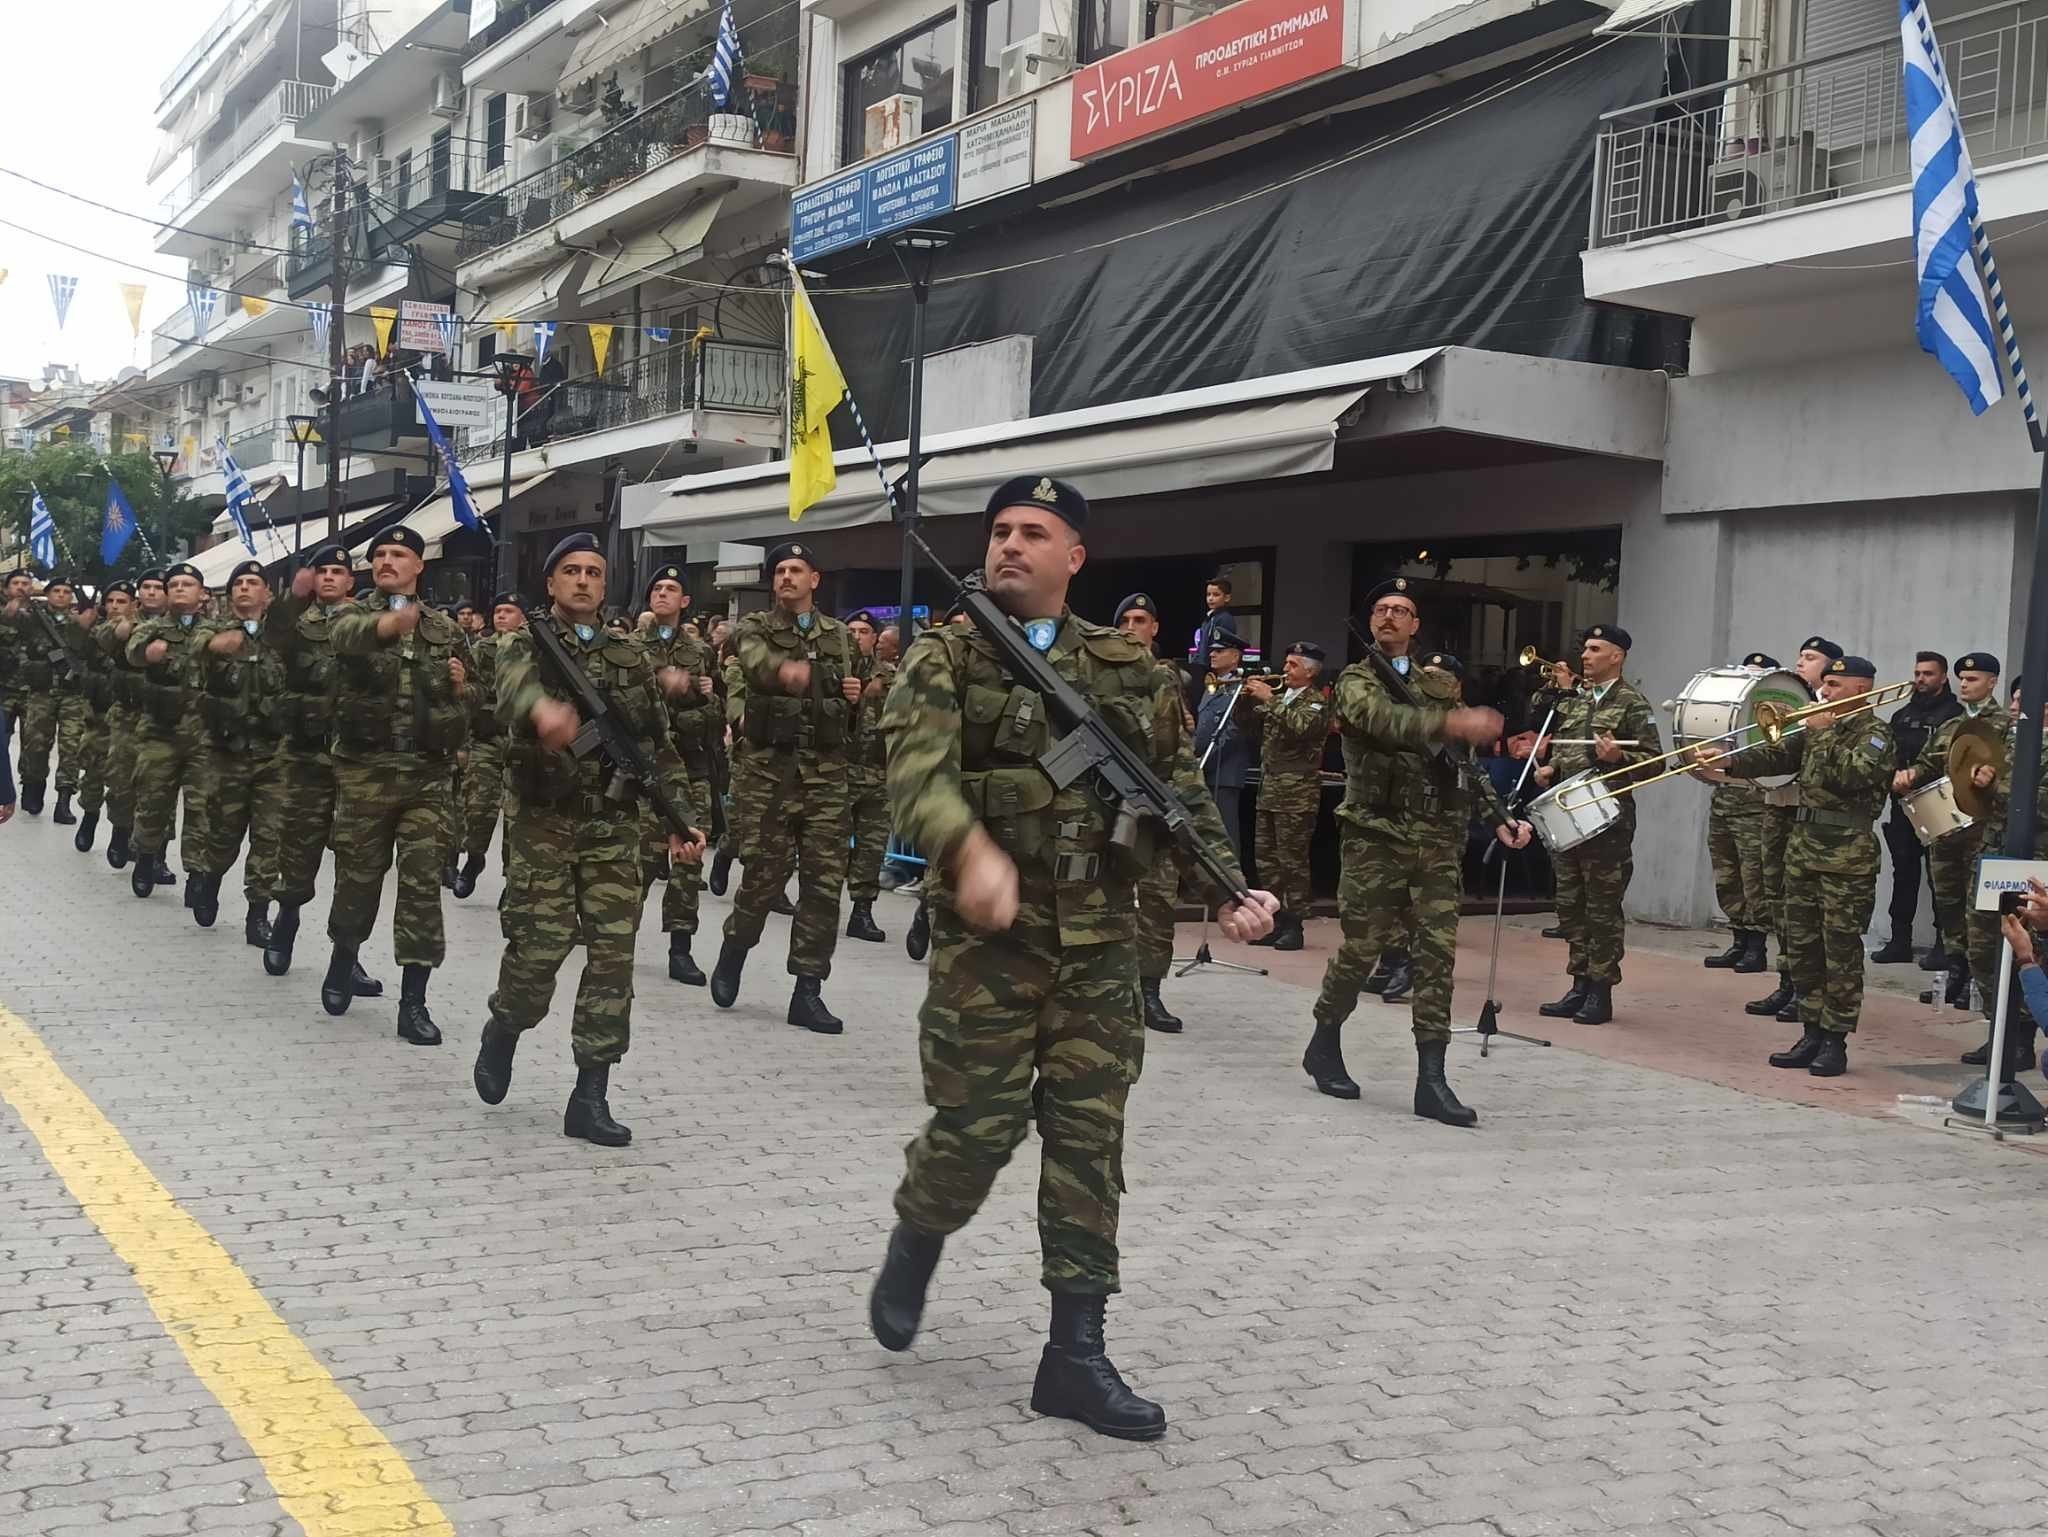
[{"x": 1634, "y": 1300}]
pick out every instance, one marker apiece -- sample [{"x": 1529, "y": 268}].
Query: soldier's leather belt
[{"x": 1825, "y": 818}]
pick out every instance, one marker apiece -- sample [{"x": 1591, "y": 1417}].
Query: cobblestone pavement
[{"x": 1631, "y": 1301}]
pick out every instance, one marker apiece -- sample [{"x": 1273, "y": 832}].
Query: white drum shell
[
  {"x": 1933, "y": 811},
  {"x": 1720, "y": 701},
  {"x": 1573, "y": 811}
]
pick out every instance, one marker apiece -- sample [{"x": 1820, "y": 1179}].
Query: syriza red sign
[{"x": 1251, "y": 49}]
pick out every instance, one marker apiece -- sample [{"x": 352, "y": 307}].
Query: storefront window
[
  {"x": 1105, "y": 28},
  {"x": 997, "y": 24},
  {"x": 919, "y": 65}
]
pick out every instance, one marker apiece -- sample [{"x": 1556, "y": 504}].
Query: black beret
[
  {"x": 1221, "y": 637},
  {"x": 1042, "y": 491},
  {"x": 1852, "y": 667},
  {"x": 789, "y": 549},
  {"x": 1825, "y": 647},
  {"x": 465, "y": 603},
  {"x": 512, "y": 598},
  {"x": 1759, "y": 659},
  {"x": 331, "y": 554},
  {"x": 862, "y": 616},
  {"x": 246, "y": 568},
  {"x": 153, "y": 574},
  {"x": 1443, "y": 661},
  {"x": 668, "y": 573},
  {"x": 1141, "y": 601},
  {"x": 185, "y": 568},
  {"x": 1975, "y": 661},
  {"x": 120, "y": 584},
  {"x": 572, "y": 544},
  {"x": 1613, "y": 634},
  {"x": 1307, "y": 648},
  {"x": 1392, "y": 587},
  {"x": 398, "y": 534},
  {"x": 59, "y": 579}
]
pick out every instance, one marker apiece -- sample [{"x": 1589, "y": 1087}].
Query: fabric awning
[
  {"x": 621, "y": 30},
  {"x": 653, "y": 254},
  {"x": 275, "y": 545},
  {"x": 535, "y": 298},
  {"x": 1252, "y": 430},
  {"x": 1631, "y": 14},
  {"x": 435, "y": 520}
]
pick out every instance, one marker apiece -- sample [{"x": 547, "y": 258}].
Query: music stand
[
  {"x": 1489, "y": 1014},
  {"x": 1202, "y": 958}
]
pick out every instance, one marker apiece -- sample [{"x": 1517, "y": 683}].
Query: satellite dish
[{"x": 344, "y": 62}]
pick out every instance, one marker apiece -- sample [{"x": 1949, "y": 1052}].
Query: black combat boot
[
  {"x": 896, "y": 1305},
  {"x": 493, "y": 1072},
  {"x": 721, "y": 872},
  {"x": 415, "y": 1024},
  {"x": 365, "y": 985},
  {"x": 1556, "y": 931},
  {"x": 448, "y": 876},
  {"x": 1957, "y": 995},
  {"x": 725, "y": 975},
  {"x": 32, "y": 797},
  {"x": 780, "y": 904},
  {"x": 588, "y": 1116},
  {"x": 1896, "y": 952},
  {"x": 1434, "y": 1100},
  {"x": 919, "y": 939},
  {"x": 88, "y": 826},
  {"x": 64, "y": 816},
  {"x": 1287, "y": 933},
  {"x": 165, "y": 875},
  {"x": 336, "y": 989},
  {"x": 1272, "y": 936},
  {"x": 1598, "y": 1008},
  {"x": 1978, "y": 1056},
  {"x": 1384, "y": 968},
  {"x": 195, "y": 883},
  {"x": 2019, "y": 1048},
  {"x": 860, "y": 924},
  {"x": 205, "y": 893},
  {"x": 1755, "y": 957},
  {"x": 1324, "y": 1062},
  {"x": 1725, "y": 961},
  {"x": 1789, "y": 1015},
  {"x": 1401, "y": 981},
  {"x": 117, "y": 848},
  {"x": 1077, "y": 1382},
  {"x": 142, "y": 879},
  {"x": 682, "y": 967},
  {"x": 277, "y": 954},
  {"x": 1569, "y": 1005},
  {"x": 1156, "y": 1015},
  {"x": 1937, "y": 959},
  {"x": 1770, "y": 1003},
  {"x": 256, "y": 927},
  {"x": 807, "y": 1007},
  {"x": 1804, "y": 1052},
  {"x": 1832, "y": 1060},
  {"x": 465, "y": 878}
]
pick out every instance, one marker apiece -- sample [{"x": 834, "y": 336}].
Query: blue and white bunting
[
  {"x": 61, "y": 290},
  {"x": 202, "y": 301},
  {"x": 302, "y": 211},
  {"x": 450, "y": 327},
  {"x": 239, "y": 493},
  {"x": 660, "y": 335},
  {"x": 321, "y": 315},
  {"x": 725, "y": 61},
  {"x": 543, "y": 338},
  {"x": 42, "y": 531}
]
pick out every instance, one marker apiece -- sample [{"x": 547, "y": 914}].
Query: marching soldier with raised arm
[
  {"x": 13, "y": 650},
  {"x": 685, "y": 667},
  {"x": 868, "y": 811},
  {"x": 1031, "y": 1010},
  {"x": 483, "y": 777},
  {"x": 237, "y": 682},
  {"x": 1295, "y": 721},
  {"x": 98, "y": 682},
  {"x": 50, "y": 701},
  {"x": 167, "y": 730}
]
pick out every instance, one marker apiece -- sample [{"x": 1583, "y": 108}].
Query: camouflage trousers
[
  {"x": 869, "y": 816},
  {"x": 1399, "y": 886},
  {"x": 304, "y": 781},
  {"x": 568, "y": 881},
  {"x": 800, "y": 813},
  {"x": 38, "y": 735},
  {"x": 1158, "y": 895},
  {"x": 743, "y": 804},
  {"x": 76, "y": 764},
  {"x": 243, "y": 799},
  {"x": 119, "y": 772},
  {"x": 682, "y": 890},
  {"x": 164, "y": 765},
  {"x": 14, "y": 701},
  {"x": 483, "y": 795},
  {"x": 1951, "y": 871},
  {"x": 1015, "y": 1028},
  {"x": 1599, "y": 871},
  {"x": 1987, "y": 939},
  {"x": 1735, "y": 846},
  {"x": 1286, "y": 824},
  {"x": 386, "y": 805},
  {"x": 1777, "y": 833},
  {"x": 90, "y": 759},
  {"x": 1825, "y": 915}
]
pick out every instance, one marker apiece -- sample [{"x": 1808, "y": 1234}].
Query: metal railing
[
  {"x": 510, "y": 19},
  {"x": 1815, "y": 130},
  {"x": 216, "y": 29},
  {"x": 643, "y": 142},
  {"x": 291, "y": 101}
]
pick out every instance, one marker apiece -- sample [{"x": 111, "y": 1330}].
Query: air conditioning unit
[
  {"x": 582, "y": 100},
  {"x": 254, "y": 389},
  {"x": 225, "y": 392},
  {"x": 365, "y": 143},
  {"x": 1790, "y": 174},
  {"x": 447, "y": 97},
  {"x": 534, "y": 118},
  {"x": 192, "y": 395},
  {"x": 891, "y": 123},
  {"x": 219, "y": 263},
  {"x": 1031, "y": 62}
]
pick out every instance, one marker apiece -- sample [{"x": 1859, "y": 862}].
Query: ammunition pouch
[
  {"x": 163, "y": 703},
  {"x": 37, "y": 677},
  {"x": 542, "y": 776},
  {"x": 773, "y": 720}
]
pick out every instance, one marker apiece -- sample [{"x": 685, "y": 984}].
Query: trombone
[{"x": 1771, "y": 719}]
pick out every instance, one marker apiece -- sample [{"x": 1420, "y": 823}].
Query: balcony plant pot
[
  {"x": 694, "y": 136},
  {"x": 732, "y": 128}
]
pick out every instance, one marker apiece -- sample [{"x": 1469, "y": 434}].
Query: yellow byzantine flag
[
  {"x": 600, "y": 342},
  {"x": 382, "y": 319},
  {"x": 816, "y": 386}
]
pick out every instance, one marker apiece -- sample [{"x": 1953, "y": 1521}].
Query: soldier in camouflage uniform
[
  {"x": 802, "y": 687},
  {"x": 1952, "y": 858},
  {"x": 1781, "y": 806},
  {"x": 50, "y": 700},
  {"x": 1294, "y": 721},
  {"x": 577, "y": 840},
  {"x": 1403, "y": 821},
  {"x": 13, "y": 689},
  {"x": 1983, "y": 928},
  {"x": 238, "y": 676},
  {"x": 483, "y": 771},
  {"x": 1033, "y": 971},
  {"x": 1735, "y": 848},
  {"x": 732, "y": 694},
  {"x": 695, "y": 722},
  {"x": 124, "y": 712},
  {"x": 167, "y": 739},
  {"x": 867, "y": 766},
  {"x": 1845, "y": 768},
  {"x": 1159, "y": 883},
  {"x": 96, "y": 669},
  {"x": 399, "y": 720},
  {"x": 1594, "y": 875}
]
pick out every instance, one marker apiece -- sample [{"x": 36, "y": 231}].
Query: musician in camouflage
[
  {"x": 1735, "y": 849},
  {"x": 1294, "y": 724},
  {"x": 1985, "y": 936},
  {"x": 1031, "y": 1008},
  {"x": 1781, "y": 805},
  {"x": 1159, "y": 884},
  {"x": 1952, "y": 858}
]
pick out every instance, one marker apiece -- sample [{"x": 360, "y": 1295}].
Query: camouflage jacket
[
  {"x": 964, "y": 739},
  {"x": 165, "y": 691},
  {"x": 238, "y": 691},
  {"x": 481, "y": 702},
  {"x": 694, "y": 723},
  {"x": 1999, "y": 796},
  {"x": 735, "y": 693},
  {"x": 1392, "y": 771},
  {"x": 867, "y": 749},
  {"x": 301, "y": 633},
  {"x": 10, "y": 659},
  {"x": 1932, "y": 762},
  {"x": 1621, "y": 711},
  {"x": 44, "y": 659},
  {"x": 397, "y": 695},
  {"x": 772, "y": 717},
  {"x": 1845, "y": 777},
  {"x": 1295, "y": 731}
]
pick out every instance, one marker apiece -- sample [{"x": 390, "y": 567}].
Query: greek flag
[
  {"x": 660, "y": 335},
  {"x": 302, "y": 211},
  {"x": 239, "y": 493},
  {"x": 450, "y": 327},
  {"x": 725, "y": 62},
  {"x": 42, "y": 531},
  {"x": 202, "y": 301},
  {"x": 321, "y": 316},
  {"x": 458, "y": 483}
]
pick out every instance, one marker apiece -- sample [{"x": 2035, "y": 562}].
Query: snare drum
[
  {"x": 1723, "y": 700},
  {"x": 1933, "y": 811},
  {"x": 1572, "y": 811}
]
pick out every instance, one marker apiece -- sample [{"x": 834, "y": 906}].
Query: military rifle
[
  {"x": 1403, "y": 691},
  {"x": 1088, "y": 743},
  {"x": 60, "y": 657},
  {"x": 603, "y": 730}
]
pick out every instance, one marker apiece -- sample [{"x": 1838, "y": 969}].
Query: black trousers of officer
[{"x": 1909, "y": 859}]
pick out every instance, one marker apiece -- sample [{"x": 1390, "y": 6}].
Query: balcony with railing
[
  {"x": 290, "y": 101},
  {"x": 405, "y": 202},
  {"x": 231, "y": 15},
  {"x": 269, "y": 443}
]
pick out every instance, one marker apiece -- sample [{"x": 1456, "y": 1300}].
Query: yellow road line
[{"x": 335, "y": 1473}]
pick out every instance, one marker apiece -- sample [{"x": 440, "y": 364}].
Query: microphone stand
[
  {"x": 1489, "y": 1015},
  {"x": 1202, "y": 958}
]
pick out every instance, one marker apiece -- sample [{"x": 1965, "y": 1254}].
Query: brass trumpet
[{"x": 1529, "y": 658}]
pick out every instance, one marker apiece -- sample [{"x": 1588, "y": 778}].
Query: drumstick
[{"x": 1593, "y": 741}]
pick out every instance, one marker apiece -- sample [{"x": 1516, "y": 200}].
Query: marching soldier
[
  {"x": 1403, "y": 823},
  {"x": 167, "y": 731},
  {"x": 684, "y": 669},
  {"x": 1295, "y": 720},
  {"x": 50, "y": 700},
  {"x": 1030, "y": 1012},
  {"x": 1844, "y": 764},
  {"x": 1159, "y": 884},
  {"x": 574, "y": 840},
  {"x": 1951, "y": 859},
  {"x": 96, "y": 683},
  {"x": 124, "y": 713},
  {"x": 801, "y": 689},
  {"x": 733, "y": 694},
  {"x": 1594, "y": 876},
  {"x": 867, "y": 772},
  {"x": 483, "y": 774},
  {"x": 399, "y": 720},
  {"x": 237, "y": 682},
  {"x": 1816, "y": 655},
  {"x": 1735, "y": 847},
  {"x": 13, "y": 689}
]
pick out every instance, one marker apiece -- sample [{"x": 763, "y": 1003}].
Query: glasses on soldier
[{"x": 1385, "y": 610}]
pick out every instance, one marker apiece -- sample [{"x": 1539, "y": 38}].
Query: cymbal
[{"x": 1975, "y": 742}]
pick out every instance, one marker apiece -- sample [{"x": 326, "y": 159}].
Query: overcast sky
[{"x": 78, "y": 91}]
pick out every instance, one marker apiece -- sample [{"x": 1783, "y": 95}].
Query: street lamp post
[
  {"x": 304, "y": 430},
  {"x": 916, "y": 252},
  {"x": 166, "y": 461},
  {"x": 508, "y": 365}
]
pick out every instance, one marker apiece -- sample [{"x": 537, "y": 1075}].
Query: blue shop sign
[{"x": 906, "y": 189}]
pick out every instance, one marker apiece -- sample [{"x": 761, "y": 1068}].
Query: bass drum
[{"x": 1723, "y": 700}]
